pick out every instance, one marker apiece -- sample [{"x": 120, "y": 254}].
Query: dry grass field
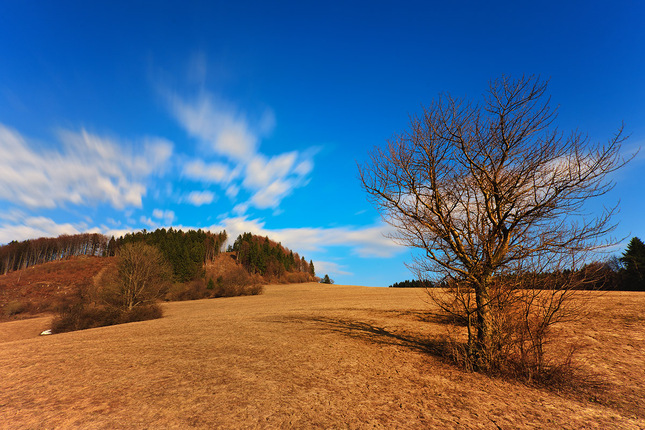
[{"x": 308, "y": 356}]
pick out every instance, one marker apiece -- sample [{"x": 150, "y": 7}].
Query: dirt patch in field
[{"x": 304, "y": 356}]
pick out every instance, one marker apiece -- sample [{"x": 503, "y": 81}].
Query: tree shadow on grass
[
  {"x": 577, "y": 384},
  {"x": 423, "y": 316},
  {"x": 379, "y": 335}
]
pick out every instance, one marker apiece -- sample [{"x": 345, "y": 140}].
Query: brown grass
[{"x": 309, "y": 356}]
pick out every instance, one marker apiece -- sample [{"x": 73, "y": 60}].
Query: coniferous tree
[
  {"x": 326, "y": 280},
  {"x": 633, "y": 260}
]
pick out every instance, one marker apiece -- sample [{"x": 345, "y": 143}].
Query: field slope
[{"x": 306, "y": 356}]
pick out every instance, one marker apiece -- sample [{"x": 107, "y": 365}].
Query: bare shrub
[
  {"x": 141, "y": 313},
  {"x": 125, "y": 292},
  {"x": 82, "y": 316},
  {"x": 236, "y": 281},
  {"x": 296, "y": 277},
  {"x": 193, "y": 290},
  {"x": 524, "y": 311},
  {"x": 14, "y": 308},
  {"x": 232, "y": 281}
]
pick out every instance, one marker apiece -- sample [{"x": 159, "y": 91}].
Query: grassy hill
[
  {"x": 41, "y": 287},
  {"x": 309, "y": 356}
]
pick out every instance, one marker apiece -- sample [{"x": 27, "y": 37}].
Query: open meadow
[{"x": 309, "y": 356}]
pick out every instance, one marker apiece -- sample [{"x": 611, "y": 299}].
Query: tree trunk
[{"x": 483, "y": 344}]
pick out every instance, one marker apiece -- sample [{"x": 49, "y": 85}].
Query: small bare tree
[
  {"x": 141, "y": 276},
  {"x": 493, "y": 195}
]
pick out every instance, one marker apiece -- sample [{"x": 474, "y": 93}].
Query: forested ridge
[
  {"x": 265, "y": 257},
  {"x": 187, "y": 252},
  {"x": 87, "y": 279}
]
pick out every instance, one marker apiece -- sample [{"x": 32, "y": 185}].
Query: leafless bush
[
  {"x": 524, "y": 311},
  {"x": 14, "y": 308},
  {"x": 236, "y": 282},
  {"x": 81, "y": 316},
  {"x": 296, "y": 277},
  {"x": 193, "y": 290},
  {"x": 126, "y": 292}
]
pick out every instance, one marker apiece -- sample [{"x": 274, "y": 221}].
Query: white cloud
[
  {"x": 232, "y": 191},
  {"x": 262, "y": 171},
  {"x": 364, "y": 241},
  {"x": 148, "y": 221},
  {"x": 210, "y": 173},
  {"x": 233, "y": 148},
  {"x": 33, "y": 228},
  {"x": 199, "y": 198},
  {"x": 271, "y": 195},
  {"x": 86, "y": 169},
  {"x": 331, "y": 268},
  {"x": 220, "y": 127},
  {"x": 167, "y": 216}
]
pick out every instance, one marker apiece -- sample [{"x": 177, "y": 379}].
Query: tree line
[
  {"x": 20, "y": 255},
  {"x": 415, "y": 283},
  {"x": 187, "y": 252},
  {"x": 624, "y": 273}
]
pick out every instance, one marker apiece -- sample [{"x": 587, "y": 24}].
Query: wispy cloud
[
  {"x": 34, "y": 227},
  {"x": 363, "y": 241},
  {"x": 199, "y": 198},
  {"x": 331, "y": 268},
  {"x": 215, "y": 172},
  {"x": 167, "y": 216},
  {"x": 85, "y": 169},
  {"x": 231, "y": 148},
  {"x": 217, "y": 125}
]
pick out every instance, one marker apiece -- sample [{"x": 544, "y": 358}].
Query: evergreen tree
[
  {"x": 633, "y": 260},
  {"x": 327, "y": 280}
]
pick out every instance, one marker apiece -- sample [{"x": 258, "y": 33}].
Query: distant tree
[
  {"x": 416, "y": 283},
  {"x": 633, "y": 260},
  {"x": 326, "y": 280},
  {"x": 312, "y": 269}
]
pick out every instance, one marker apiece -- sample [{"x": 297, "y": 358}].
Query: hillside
[
  {"x": 39, "y": 288},
  {"x": 310, "y": 356},
  {"x": 38, "y": 275}
]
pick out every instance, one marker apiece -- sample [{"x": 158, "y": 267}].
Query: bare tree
[
  {"x": 491, "y": 191},
  {"x": 141, "y": 276}
]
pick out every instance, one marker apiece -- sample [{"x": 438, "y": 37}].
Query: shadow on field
[
  {"x": 422, "y": 316},
  {"x": 579, "y": 384},
  {"x": 379, "y": 335}
]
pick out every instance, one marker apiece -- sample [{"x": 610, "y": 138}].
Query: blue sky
[{"x": 252, "y": 116}]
